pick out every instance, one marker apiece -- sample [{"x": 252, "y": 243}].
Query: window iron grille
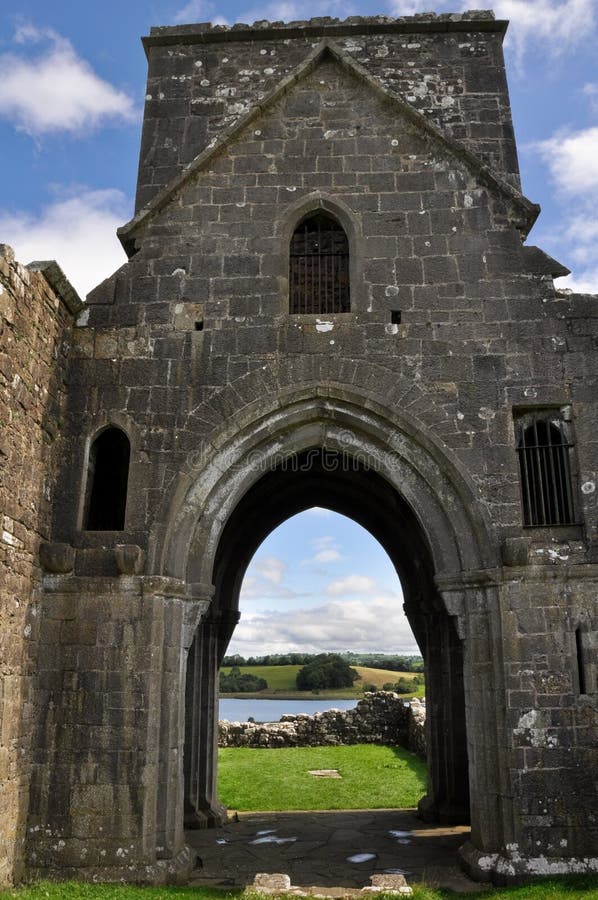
[
  {"x": 544, "y": 462},
  {"x": 319, "y": 267}
]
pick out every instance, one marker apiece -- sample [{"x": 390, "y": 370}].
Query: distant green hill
[{"x": 281, "y": 682}]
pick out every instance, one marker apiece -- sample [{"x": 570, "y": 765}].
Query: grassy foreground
[
  {"x": 372, "y": 777},
  {"x": 281, "y": 683},
  {"x": 76, "y": 890},
  {"x": 578, "y": 888}
]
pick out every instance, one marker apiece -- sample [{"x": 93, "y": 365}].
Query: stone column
[
  {"x": 202, "y": 807},
  {"x": 170, "y": 831},
  {"x": 447, "y": 798},
  {"x": 536, "y": 731},
  {"x": 476, "y": 609},
  {"x": 106, "y": 800}
]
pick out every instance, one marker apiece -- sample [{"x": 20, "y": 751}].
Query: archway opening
[
  {"x": 322, "y": 627},
  {"x": 351, "y": 487}
]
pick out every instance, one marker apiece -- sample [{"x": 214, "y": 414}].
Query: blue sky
[
  {"x": 72, "y": 83},
  {"x": 320, "y": 582}
]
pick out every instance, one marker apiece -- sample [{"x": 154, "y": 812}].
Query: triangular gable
[{"x": 526, "y": 211}]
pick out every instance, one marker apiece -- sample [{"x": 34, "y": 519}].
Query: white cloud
[
  {"x": 56, "y": 90},
  {"x": 352, "y": 584},
  {"x": 198, "y": 11},
  {"x": 582, "y": 234},
  {"x": 264, "y": 578},
  {"x": 557, "y": 24},
  {"x": 78, "y": 230},
  {"x": 554, "y": 23},
  {"x": 412, "y": 7},
  {"x": 327, "y": 556},
  {"x": 270, "y": 568},
  {"x": 582, "y": 281},
  {"x": 319, "y": 511},
  {"x": 290, "y": 10},
  {"x": 377, "y": 623},
  {"x": 572, "y": 161},
  {"x": 326, "y": 550},
  {"x": 572, "y": 158}
]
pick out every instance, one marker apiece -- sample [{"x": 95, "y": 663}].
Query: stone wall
[
  {"x": 401, "y": 131},
  {"x": 202, "y": 78},
  {"x": 36, "y": 307},
  {"x": 382, "y": 717}
]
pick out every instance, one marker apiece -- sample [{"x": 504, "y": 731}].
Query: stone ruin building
[{"x": 328, "y": 301}]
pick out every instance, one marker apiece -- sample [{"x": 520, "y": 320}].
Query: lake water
[{"x": 272, "y": 710}]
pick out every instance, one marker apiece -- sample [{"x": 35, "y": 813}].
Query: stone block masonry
[
  {"x": 201, "y": 79},
  {"x": 37, "y": 306},
  {"x": 382, "y": 717},
  {"x": 233, "y": 408}
]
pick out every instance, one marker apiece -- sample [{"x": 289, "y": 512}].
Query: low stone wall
[{"x": 382, "y": 717}]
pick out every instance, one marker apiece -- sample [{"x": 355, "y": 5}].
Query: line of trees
[{"x": 391, "y": 661}]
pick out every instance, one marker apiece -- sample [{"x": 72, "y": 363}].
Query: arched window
[
  {"x": 319, "y": 266},
  {"x": 543, "y": 450},
  {"x": 107, "y": 481}
]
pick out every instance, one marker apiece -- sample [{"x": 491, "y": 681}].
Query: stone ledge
[
  {"x": 164, "y": 871},
  {"x": 515, "y": 868},
  {"x": 205, "y": 32},
  {"x": 59, "y": 283},
  {"x": 279, "y": 884}
]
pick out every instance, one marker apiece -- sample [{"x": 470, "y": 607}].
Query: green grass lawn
[
  {"x": 578, "y": 888},
  {"x": 372, "y": 777},
  {"x": 76, "y": 890},
  {"x": 281, "y": 682}
]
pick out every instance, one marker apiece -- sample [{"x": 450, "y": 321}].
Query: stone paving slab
[{"x": 313, "y": 848}]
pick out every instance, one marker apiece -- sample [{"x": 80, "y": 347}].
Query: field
[
  {"x": 281, "y": 682},
  {"x": 372, "y": 777}
]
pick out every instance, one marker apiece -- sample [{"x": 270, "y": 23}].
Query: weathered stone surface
[
  {"x": 280, "y": 884},
  {"x": 400, "y": 413},
  {"x": 392, "y": 882},
  {"x": 57, "y": 558},
  {"x": 129, "y": 558},
  {"x": 35, "y": 322},
  {"x": 271, "y": 883}
]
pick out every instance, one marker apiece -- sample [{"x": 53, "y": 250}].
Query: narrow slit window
[
  {"x": 319, "y": 267},
  {"x": 107, "y": 481},
  {"x": 544, "y": 464},
  {"x": 581, "y": 666}
]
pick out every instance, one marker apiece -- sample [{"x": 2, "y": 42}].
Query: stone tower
[{"x": 328, "y": 301}]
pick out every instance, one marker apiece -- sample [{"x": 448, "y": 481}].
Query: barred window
[
  {"x": 107, "y": 481},
  {"x": 544, "y": 462},
  {"x": 319, "y": 266}
]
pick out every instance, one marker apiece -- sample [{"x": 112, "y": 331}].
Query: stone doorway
[{"x": 349, "y": 485}]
